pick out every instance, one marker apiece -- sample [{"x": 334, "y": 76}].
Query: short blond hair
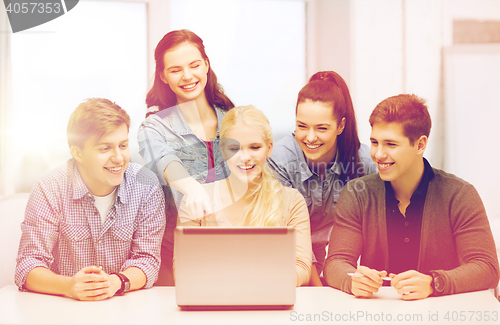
[{"x": 94, "y": 117}]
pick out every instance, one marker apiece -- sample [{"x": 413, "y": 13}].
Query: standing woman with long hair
[
  {"x": 252, "y": 195},
  {"x": 322, "y": 155},
  {"x": 179, "y": 138}
]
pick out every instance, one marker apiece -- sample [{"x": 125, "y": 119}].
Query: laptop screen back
[{"x": 246, "y": 266}]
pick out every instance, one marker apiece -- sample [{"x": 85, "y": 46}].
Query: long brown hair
[
  {"x": 161, "y": 95},
  {"x": 329, "y": 87}
]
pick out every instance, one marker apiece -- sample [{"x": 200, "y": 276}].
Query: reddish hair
[
  {"x": 408, "y": 110},
  {"x": 329, "y": 87},
  {"x": 161, "y": 95}
]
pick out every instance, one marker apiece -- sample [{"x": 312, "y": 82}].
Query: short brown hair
[
  {"x": 408, "y": 110},
  {"x": 94, "y": 117}
]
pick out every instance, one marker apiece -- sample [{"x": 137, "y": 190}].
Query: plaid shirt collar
[{"x": 80, "y": 189}]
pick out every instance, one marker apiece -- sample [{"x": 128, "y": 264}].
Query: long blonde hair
[{"x": 266, "y": 209}]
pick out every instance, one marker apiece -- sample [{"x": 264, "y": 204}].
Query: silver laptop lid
[{"x": 245, "y": 266}]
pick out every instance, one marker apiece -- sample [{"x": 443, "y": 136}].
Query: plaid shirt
[{"x": 62, "y": 229}]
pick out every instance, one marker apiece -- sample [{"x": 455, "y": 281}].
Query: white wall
[
  {"x": 424, "y": 39},
  {"x": 257, "y": 49},
  {"x": 55, "y": 66},
  {"x": 387, "y": 47},
  {"x": 329, "y": 38},
  {"x": 381, "y": 48},
  {"x": 472, "y": 75},
  {"x": 377, "y": 57}
]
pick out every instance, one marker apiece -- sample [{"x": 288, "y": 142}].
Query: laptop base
[{"x": 235, "y": 307}]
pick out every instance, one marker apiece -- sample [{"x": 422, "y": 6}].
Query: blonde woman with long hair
[{"x": 251, "y": 195}]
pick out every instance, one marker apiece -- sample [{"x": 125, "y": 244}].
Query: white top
[{"x": 104, "y": 204}]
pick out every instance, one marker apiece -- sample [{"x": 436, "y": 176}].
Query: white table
[{"x": 314, "y": 305}]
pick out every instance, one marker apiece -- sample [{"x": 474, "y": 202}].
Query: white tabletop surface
[{"x": 313, "y": 306}]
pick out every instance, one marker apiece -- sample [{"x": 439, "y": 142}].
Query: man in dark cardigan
[{"x": 424, "y": 229}]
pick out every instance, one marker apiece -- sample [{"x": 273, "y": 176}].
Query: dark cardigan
[{"x": 456, "y": 239}]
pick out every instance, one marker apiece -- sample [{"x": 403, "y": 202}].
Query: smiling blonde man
[
  {"x": 93, "y": 227},
  {"x": 424, "y": 228}
]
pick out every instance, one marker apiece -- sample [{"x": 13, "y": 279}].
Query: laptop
[{"x": 228, "y": 268}]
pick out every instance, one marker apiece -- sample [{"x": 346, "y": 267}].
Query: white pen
[{"x": 359, "y": 275}]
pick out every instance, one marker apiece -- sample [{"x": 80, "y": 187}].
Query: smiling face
[
  {"x": 396, "y": 158},
  {"x": 245, "y": 151},
  {"x": 316, "y": 131},
  {"x": 102, "y": 162},
  {"x": 185, "y": 72}
]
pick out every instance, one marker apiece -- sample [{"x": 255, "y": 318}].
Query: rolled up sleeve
[{"x": 155, "y": 149}]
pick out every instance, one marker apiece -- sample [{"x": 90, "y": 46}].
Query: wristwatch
[
  {"x": 437, "y": 283},
  {"x": 125, "y": 284}
]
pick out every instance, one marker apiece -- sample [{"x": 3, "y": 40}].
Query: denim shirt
[
  {"x": 165, "y": 137},
  {"x": 292, "y": 170}
]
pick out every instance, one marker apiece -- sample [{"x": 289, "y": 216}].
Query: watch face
[
  {"x": 127, "y": 286},
  {"x": 439, "y": 283}
]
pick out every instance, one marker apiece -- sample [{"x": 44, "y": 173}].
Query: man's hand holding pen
[{"x": 411, "y": 284}]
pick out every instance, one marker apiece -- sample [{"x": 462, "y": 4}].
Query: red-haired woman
[
  {"x": 179, "y": 138},
  {"x": 322, "y": 155}
]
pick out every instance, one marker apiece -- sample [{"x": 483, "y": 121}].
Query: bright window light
[
  {"x": 98, "y": 49},
  {"x": 257, "y": 50}
]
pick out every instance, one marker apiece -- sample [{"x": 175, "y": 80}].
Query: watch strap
[
  {"x": 437, "y": 284},
  {"x": 125, "y": 287}
]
